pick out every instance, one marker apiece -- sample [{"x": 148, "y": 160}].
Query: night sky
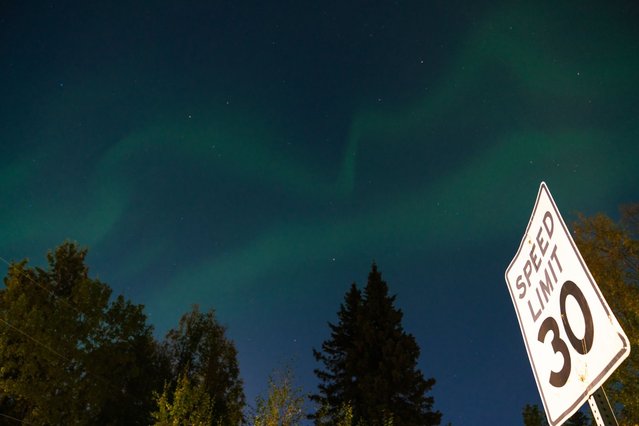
[{"x": 256, "y": 157}]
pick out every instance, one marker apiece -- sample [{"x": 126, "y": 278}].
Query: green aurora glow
[{"x": 262, "y": 173}]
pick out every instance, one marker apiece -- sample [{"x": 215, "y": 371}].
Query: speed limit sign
[{"x": 573, "y": 340}]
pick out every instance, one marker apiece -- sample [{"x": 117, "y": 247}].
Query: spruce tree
[
  {"x": 533, "y": 416},
  {"x": 338, "y": 355},
  {"x": 370, "y": 364}
]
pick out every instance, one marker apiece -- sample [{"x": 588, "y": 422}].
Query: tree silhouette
[
  {"x": 199, "y": 349},
  {"x": 611, "y": 251},
  {"x": 69, "y": 354},
  {"x": 370, "y": 364}
]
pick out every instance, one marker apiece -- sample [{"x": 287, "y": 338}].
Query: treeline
[{"x": 72, "y": 353}]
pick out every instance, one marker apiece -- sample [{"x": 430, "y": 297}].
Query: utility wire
[
  {"x": 34, "y": 339},
  {"x": 6, "y": 416}
]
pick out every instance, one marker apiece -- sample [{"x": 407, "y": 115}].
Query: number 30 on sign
[{"x": 573, "y": 340}]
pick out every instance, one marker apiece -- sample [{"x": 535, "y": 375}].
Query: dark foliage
[
  {"x": 199, "y": 349},
  {"x": 70, "y": 354},
  {"x": 611, "y": 251},
  {"x": 370, "y": 364}
]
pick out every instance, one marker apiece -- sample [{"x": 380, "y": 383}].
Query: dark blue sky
[{"x": 256, "y": 157}]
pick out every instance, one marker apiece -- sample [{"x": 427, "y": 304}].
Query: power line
[
  {"x": 6, "y": 416},
  {"x": 34, "y": 340},
  {"x": 64, "y": 358}
]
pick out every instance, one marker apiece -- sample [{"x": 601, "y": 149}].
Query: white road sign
[{"x": 573, "y": 340}]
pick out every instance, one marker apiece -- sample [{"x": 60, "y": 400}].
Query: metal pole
[{"x": 601, "y": 410}]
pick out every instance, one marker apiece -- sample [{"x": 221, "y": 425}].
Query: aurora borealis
[{"x": 257, "y": 157}]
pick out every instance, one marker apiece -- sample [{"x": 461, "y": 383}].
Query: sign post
[
  {"x": 602, "y": 412},
  {"x": 572, "y": 338}
]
